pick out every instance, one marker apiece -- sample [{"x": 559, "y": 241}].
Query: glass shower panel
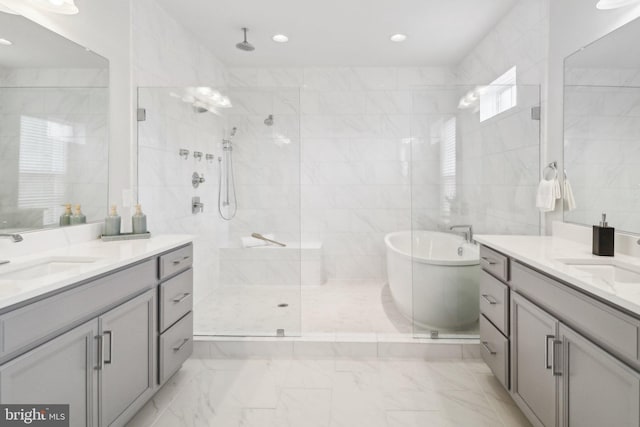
[
  {"x": 474, "y": 167},
  {"x": 245, "y": 143}
]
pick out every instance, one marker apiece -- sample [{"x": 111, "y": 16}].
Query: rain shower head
[
  {"x": 269, "y": 120},
  {"x": 245, "y": 45},
  {"x": 198, "y": 109}
]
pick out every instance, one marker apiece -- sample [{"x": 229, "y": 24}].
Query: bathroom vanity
[
  {"x": 102, "y": 335},
  {"x": 560, "y": 329}
]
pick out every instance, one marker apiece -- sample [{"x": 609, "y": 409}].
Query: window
[
  {"x": 43, "y": 166},
  {"x": 448, "y": 167},
  {"x": 499, "y": 96}
]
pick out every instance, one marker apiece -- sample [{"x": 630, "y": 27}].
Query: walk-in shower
[{"x": 227, "y": 200}]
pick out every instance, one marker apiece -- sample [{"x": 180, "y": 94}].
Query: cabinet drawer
[
  {"x": 611, "y": 328},
  {"x": 176, "y": 298},
  {"x": 494, "y": 301},
  {"x": 176, "y": 345},
  {"x": 495, "y": 350},
  {"x": 175, "y": 262},
  {"x": 26, "y": 326},
  {"x": 494, "y": 263}
]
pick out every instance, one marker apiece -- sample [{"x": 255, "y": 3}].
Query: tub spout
[{"x": 468, "y": 231}]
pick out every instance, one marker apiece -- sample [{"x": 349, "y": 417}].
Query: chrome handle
[
  {"x": 553, "y": 358},
  {"x": 178, "y": 261},
  {"x": 178, "y": 348},
  {"x": 108, "y": 362},
  {"x": 180, "y": 299},
  {"x": 485, "y": 344},
  {"x": 546, "y": 352},
  {"x": 488, "y": 261},
  {"x": 491, "y": 300},
  {"x": 100, "y": 339}
]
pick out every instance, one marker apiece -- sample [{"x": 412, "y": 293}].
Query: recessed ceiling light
[
  {"x": 398, "y": 38},
  {"x": 614, "y": 4},
  {"x": 5, "y": 42},
  {"x": 280, "y": 38}
]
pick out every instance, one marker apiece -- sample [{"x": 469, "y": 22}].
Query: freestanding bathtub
[{"x": 434, "y": 278}]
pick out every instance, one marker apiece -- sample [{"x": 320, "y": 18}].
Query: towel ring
[{"x": 550, "y": 171}]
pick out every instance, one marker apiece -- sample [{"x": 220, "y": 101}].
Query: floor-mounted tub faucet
[
  {"x": 15, "y": 237},
  {"x": 468, "y": 233}
]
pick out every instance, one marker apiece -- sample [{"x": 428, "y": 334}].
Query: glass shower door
[
  {"x": 474, "y": 168},
  {"x": 245, "y": 143}
]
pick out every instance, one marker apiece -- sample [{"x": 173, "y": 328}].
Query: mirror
[
  {"x": 602, "y": 129},
  {"x": 54, "y": 109}
]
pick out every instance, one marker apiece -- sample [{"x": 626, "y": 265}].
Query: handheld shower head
[
  {"x": 245, "y": 45},
  {"x": 269, "y": 120},
  {"x": 233, "y": 131}
]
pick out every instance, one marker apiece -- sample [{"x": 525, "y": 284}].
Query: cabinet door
[
  {"x": 597, "y": 389},
  {"x": 535, "y": 386},
  {"x": 126, "y": 378},
  {"x": 61, "y": 371}
]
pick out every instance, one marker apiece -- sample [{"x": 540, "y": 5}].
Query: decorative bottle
[
  {"x": 112, "y": 222},
  {"x": 139, "y": 221}
]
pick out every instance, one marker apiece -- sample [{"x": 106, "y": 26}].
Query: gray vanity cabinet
[
  {"x": 534, "y": 380},
  {"x": 62, "y": 371},
  {"x": 127, "y": 340},
  {"x": 596, "y": 389}
]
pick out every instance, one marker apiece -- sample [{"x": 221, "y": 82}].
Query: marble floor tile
[{"x": 331, "y": 392}]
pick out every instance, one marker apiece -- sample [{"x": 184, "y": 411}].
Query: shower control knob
[{"x": 197, "y": 179}]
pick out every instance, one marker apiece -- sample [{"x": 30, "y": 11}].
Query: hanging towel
[
  {"x": 569, "y": 200},
  {"x": 557, "y": 193},
  {"x": 546, "y": 196},
  {"x": 251, "y": 242}
]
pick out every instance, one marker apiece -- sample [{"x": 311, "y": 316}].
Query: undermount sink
[
  {"x": 608, "y": 270},
  {"x": 43, "y": 267}
]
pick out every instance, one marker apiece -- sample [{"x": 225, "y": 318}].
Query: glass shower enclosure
[
  {"x": 223, "y": 164},
  {"x": 475, "y": 161}
]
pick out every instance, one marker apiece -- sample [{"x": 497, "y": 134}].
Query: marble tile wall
[
  {"x": 78, "y": 106},
  {"x": 371, "y": 159},
  {"x": 500, "y": 157},
  {"x": 355, "y": 149},
  {"x": 166, "y": 55}
]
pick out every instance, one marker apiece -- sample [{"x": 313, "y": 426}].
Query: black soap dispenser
[{"x": 603, "y": 238}]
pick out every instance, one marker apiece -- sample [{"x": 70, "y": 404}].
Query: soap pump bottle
[
  {"x": 78, "y": 217},
  {"x": 112, "y": 222},
  {"x": 139, "y": 221},
  {"x": 603, "y": 238},
  {"x": 65, "y": 218}
]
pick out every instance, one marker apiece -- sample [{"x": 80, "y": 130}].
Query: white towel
[
  {"x": 252, "y": 242},
  {"x": 569, "y": 200},
  {"x": 557, "y": 193},
  {"x": 546, "y": 196}
]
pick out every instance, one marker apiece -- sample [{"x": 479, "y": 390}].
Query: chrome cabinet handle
[
  {"x": 491, "y": 300},
  {"x": 485, "y": 344},
  {"x": 546, "y": 352},
  {"x": 100, "y": 339},
  {"x": 178, "y": 261},
  {"x": 108, "y": 362},
  {"x": 181, "y": 298},
  {"x": 178, "y": 348},
  {"x": 488, "y": 261}
]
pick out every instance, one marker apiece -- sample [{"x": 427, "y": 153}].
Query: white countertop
[
  {"x": 109, "y": 256},
  {"x": 545, "y": 253}
]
